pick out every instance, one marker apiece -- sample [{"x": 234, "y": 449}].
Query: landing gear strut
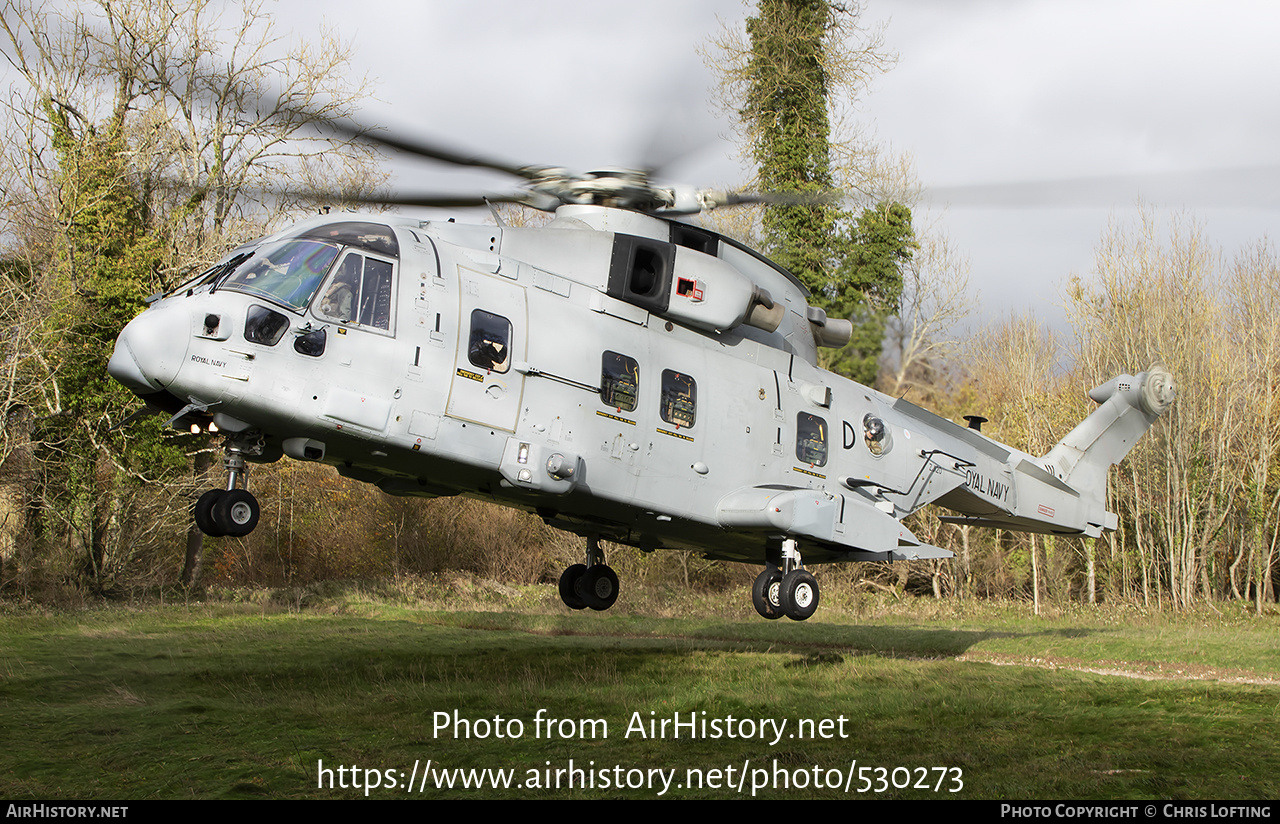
[
  {"x": 232, "y": 511},
  {"x": 791, "y": 591},
  {"x": 593, "y": 584}
]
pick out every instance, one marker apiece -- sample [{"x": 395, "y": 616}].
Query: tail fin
[{"x": 1129, "y": 406}]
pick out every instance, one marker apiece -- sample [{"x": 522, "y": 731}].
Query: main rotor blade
[
  {"x": 422, "y": 199},
  {"x": 1249, "y": 187},
  {"x": 430, "y": 150},
  {"x": 778, "y": 198}
]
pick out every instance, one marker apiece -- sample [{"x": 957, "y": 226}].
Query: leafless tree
[
  {"x": 213, "y": 119},
  {"x": 929, "y": 324},
  {"x": 1156, "y": 299},
  {"x": 1255, "y": 304}
]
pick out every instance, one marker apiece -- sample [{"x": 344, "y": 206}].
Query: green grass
[{"x": 244, "y": 699}]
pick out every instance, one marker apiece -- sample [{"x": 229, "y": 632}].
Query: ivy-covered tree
[
  {"x": 104, "y": 261},
  {"x": 852, "y": 266},
  {"x": 867, "y": 286},
  {"x": 786, "y": 109}
]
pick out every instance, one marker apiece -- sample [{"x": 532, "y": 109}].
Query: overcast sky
[{"x": 1082, "y": 106}]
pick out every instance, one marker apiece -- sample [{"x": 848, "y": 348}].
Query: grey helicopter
[{"x": 627, "y": 376}]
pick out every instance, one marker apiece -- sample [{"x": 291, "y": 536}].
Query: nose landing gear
[
  {"x": 232, "y": 511},
  {"x": 593, "y": 584}
]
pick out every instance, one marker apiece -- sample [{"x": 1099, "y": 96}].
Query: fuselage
[{"x": 612, "y": 373}]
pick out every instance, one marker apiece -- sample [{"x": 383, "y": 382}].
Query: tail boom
[{"x": 1064, "y": 492}]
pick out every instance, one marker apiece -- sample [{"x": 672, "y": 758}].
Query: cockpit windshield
[{"x": 288, "y": 272}]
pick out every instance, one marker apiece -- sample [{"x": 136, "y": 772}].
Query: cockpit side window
[
  {"x": 359, "y": 291},
  {"x": 489, "y": 346},
  {"x": 811, "y": 439},
  {"x": 619, "y": 381},
  {"x": 375, "y": 294},
  {"x": 679, "y": 404},
  {"x": 342, "y": 291},
  {"x": 287, "y": 273}
]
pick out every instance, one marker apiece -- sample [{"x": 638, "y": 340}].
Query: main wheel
[
  {"x": 203, "y": 513},
  {"x": 568, "y": 587},
  {"x": 764, "y": 593},
  {"x": 236, "y": 512},
  {"x": 598, "y": 587},
  {"x": 798, "y": 595}
]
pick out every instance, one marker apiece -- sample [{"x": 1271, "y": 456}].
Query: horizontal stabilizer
[
  {"x": 921, "y": 553},
  {"x": 911, "y": 548}
]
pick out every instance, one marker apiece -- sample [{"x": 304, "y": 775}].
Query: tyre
[
  {"x": 798, "y": 595},
  {"x": 203, "y": 513},
  {"x": 568, "y": 586},
  {"x": 598, "y": 587},
  {"x": 236, "y": 512},
  {"x": 764, "y": 593}
]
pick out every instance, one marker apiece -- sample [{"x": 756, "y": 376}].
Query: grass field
[{"x": 257, "y": 697}]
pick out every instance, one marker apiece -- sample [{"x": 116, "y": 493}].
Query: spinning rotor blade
[
  {"x": 1248, "y": 187},
  {"x": 715, "y": 199},
  {"x": 431, "y": 151},
  {"x": 786, "y": 198},
  {"x": 335, "y": 197},
  {"x": 443, "y": 201},
  {"x": 548, "y": 187}
]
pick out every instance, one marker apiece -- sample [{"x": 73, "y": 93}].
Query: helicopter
[{"x": 625, "y": 375}]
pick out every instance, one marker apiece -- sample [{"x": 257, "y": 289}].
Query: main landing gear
[
  {"x": 232, "y": 511},
  {"x": 791, "y": 591},
  {"x": 593, "y": 584}
]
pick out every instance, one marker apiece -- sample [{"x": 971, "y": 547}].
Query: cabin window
[
  {"x": 679, "y": 404},
  {"x": 359, "y": 292},
  {"x": 811, "y": 439},
  {"x": 490, "y": 342},
  {"x": 262, "y": 325},
  {"x": 619, "y": 381},
  {"x": 287, "y": 272},
  {"x": 875, "y": 434}
]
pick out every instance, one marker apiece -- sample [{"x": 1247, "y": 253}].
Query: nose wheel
[
  {"x": 231, "y": 512},
  {"x": 593, "y": 584}
]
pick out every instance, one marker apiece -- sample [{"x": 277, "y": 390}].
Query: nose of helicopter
[{"x": 151, "y": 349}]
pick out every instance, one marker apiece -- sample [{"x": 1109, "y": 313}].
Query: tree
[
  {"x": 868, "y": 286},
  {"x": 1255, "y": 303},
  {"x": 802, "y": 55},
  {"x": 1157, "y": 300},
  {"x": 217, "y": 112},
  {"x": 1014, "y": 363},
  {"x": 923, "y": 333},
  {"x": 143, "y": 146},
  {"x": 786, "y": 107}
]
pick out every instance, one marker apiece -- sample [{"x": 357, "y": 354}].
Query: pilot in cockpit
[{"x": 339, "y": 301}]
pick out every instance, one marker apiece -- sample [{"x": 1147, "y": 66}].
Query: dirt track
[{"x": 1146, "y": 670}]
